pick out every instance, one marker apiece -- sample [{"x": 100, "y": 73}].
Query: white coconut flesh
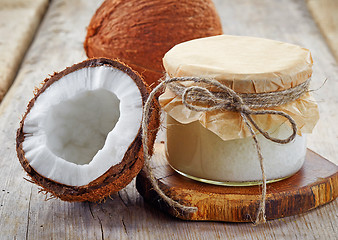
[{"x": 82, "y": 125}]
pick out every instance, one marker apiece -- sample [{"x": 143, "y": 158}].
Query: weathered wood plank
[
  {"x": 325, "y": 13},
  {"x": 19, "y": 20},
  {"x": 24, "y": 213}
]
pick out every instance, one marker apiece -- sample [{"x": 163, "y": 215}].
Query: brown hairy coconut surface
[
  {"x": 118, "y": 176},
  {"x": 140, "y": 32}
]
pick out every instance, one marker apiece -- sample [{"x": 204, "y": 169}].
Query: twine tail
[
  {"x": 147, "y": 167},
  {"x": 260, "y": 217}
]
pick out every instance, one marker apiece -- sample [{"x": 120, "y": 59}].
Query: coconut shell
[
  {"x": 118, "y": 176},
  {"x": 140, "y": 32}
]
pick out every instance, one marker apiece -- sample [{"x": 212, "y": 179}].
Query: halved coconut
[{"x": 80, "y": 138}]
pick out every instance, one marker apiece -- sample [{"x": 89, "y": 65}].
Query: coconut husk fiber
[{"x": 140, "y": 32}]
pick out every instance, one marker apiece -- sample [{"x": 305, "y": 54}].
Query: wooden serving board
[{"x": 314, "y": 185}]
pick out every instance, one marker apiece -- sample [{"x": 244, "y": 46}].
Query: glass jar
[
  {"x": 197, "y": 153},
  {"x": 216, "y": 147}
]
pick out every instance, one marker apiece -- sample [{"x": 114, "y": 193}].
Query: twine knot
[
  {"x": 200, "y": 99},
  {"x": 196, "y": 95}
]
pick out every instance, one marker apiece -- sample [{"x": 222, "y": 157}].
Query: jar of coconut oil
[{"x": 216, "y": 146}]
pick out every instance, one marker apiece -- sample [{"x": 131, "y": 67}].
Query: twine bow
[{"x": 200, "y": 99}]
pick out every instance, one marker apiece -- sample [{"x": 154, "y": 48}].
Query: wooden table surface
[{"x": 58, "y": 43}]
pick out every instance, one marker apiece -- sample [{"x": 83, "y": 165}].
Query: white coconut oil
[{"x": 200, "y": 154}]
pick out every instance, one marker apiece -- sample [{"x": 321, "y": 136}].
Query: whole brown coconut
[
  {"x": 140, "y": 32},
  {"x": 98, "y": 99}
]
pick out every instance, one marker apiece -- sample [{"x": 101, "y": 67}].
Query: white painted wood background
[{"x": 24, "y": 214}]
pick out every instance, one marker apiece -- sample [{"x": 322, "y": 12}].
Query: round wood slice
[{"x": 314, "y": 185}]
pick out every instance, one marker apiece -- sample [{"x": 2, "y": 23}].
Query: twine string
[
  {"x": 200, "y": 99},
  {"x": 147, "y": 168}
]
